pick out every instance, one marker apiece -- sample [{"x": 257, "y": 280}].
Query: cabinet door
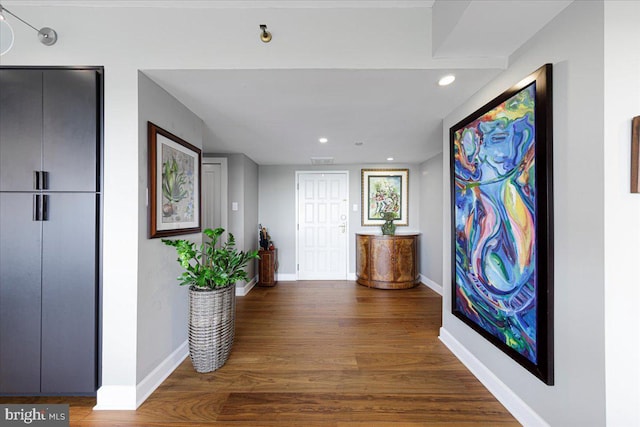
[
  {"x": 69, "y": 294},
  {"x": 70, "y": 129},
  {"x": 20, "y": 298},
  {"x": 20, "y": 128},
  {"x": 362, "y": 257},
  {"x": 382, "y": 260},
  {"x": 405, "y": 257}
]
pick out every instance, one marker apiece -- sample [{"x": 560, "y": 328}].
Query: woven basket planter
[{"x": 212, "y": 316}]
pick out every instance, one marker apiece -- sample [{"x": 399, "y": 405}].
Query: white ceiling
[
  {"x": 491, "y": 28},
  {"x": 275, "y": 116}
]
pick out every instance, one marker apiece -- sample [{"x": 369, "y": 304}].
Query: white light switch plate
[
  {"x": 355, "y": 208},
  {"x": 234, "y": 206}
]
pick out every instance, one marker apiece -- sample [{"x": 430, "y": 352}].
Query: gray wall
[
  {"x": 573, "y": 42},
  {"x": 251, "y": 210},
  {"x": 431, "y": 219},
  {"x": 277, "y": 210},
  {"x": 622, "y": 211},
  {"x": 236, "y": 195},
  {"x": 162, "y": 313},
  {"x": 243, "y": 190}
]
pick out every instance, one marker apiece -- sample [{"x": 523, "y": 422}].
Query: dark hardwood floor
[{"x": 320, "y": 354}]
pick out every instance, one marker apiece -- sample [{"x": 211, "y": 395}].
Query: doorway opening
[{"x": 214, "y": 193}]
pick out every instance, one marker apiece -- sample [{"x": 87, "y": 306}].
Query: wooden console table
[
  {"x": 267, "y": 267},
  {"x": 387, "y": 262}
]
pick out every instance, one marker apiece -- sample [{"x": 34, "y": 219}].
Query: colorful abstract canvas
[{"x": 500, "y": 220}]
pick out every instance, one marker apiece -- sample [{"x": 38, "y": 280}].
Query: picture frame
[
  {"x": 174, "y": 184},
  {"x": 385, "y": 190},
  {"x": 635, "y": 155},
  {"x": 501, "y": 176}
]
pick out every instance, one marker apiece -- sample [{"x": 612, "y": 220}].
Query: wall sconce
[
  {"x": 46, "y": 35},
  {"x": 265, "y": 36}
]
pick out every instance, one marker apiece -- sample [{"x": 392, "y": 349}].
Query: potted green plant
[
  {"x": 211, "y": 272},
  {"x": 388, "y": 228}
]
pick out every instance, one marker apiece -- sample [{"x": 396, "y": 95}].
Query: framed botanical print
[{"x": 174, "y": 184}]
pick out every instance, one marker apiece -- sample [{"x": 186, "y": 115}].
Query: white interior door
[
  {"x": 322, "y": 225},
  {"x": 214, "y": 193}
]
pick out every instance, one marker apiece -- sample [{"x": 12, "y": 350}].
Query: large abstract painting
[
  {"x": 174, "y": 184},
  {"x": 502, "y": 242}
]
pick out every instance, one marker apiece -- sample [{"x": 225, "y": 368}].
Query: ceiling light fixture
[
  {"x": 46, "y": 35},
  {"x": 447, "y": 80},
  {"x": 390, "y": 159},
  {"x": 323, "y": 140},
  {"x": 265, "y": 35},
  {"x": 6, "y": 35}
]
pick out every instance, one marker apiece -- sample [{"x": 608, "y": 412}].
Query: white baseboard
[
  {"x": 129, "y": 398},
  {"x": 244, "y": 290},
  {"x": 152, "y": 381},
  {"x": 116, "y": 398},
  {"x": 518, "y": 408},
  {"x": 431, "y": 284},
  {"x": 281, "y": 277}
]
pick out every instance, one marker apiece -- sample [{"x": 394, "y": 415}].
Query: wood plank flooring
[{"x": 320, "y": 354}]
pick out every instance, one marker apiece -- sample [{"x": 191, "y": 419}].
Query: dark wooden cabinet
[
  {"x": 268, "y": 265},
  {"x": 50, "y": 204},
  {"x": 387, "y": 262}
]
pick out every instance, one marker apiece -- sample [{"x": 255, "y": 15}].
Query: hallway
[{"x": 320, "y": 353}]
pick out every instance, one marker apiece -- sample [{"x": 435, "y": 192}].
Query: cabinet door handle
[
  {"x": 36, "y": 180},
  {"x": 45, "y": 207},
  {"x": 36, "y": 207},
  {"x": 45, "y": 180}
]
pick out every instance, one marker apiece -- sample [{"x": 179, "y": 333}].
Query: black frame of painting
[{"x": 543, "y": 222}]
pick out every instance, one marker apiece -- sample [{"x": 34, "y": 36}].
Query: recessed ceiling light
[
  {"x": 446, "y": 80},
  {"x": 390, "y": 159},
  {"x": 323, "y": 140}
]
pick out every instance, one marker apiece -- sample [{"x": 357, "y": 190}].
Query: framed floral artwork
[
  {"x": 174, "y": 184},
  {"x": 385, "y": 190}
]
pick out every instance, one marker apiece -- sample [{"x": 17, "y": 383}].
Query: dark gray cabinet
[
  {"x": 48, "y": 124},
  {"x": 20, "y": 295},
  {"x": 20, "y": 129},
  {"x": 69, "y": 294},
  {"x": 50, "y": 203}
]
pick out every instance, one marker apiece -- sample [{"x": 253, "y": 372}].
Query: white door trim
[
  {"x": 296, "y": 188},
  {"x": 224, "y": 190}
]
